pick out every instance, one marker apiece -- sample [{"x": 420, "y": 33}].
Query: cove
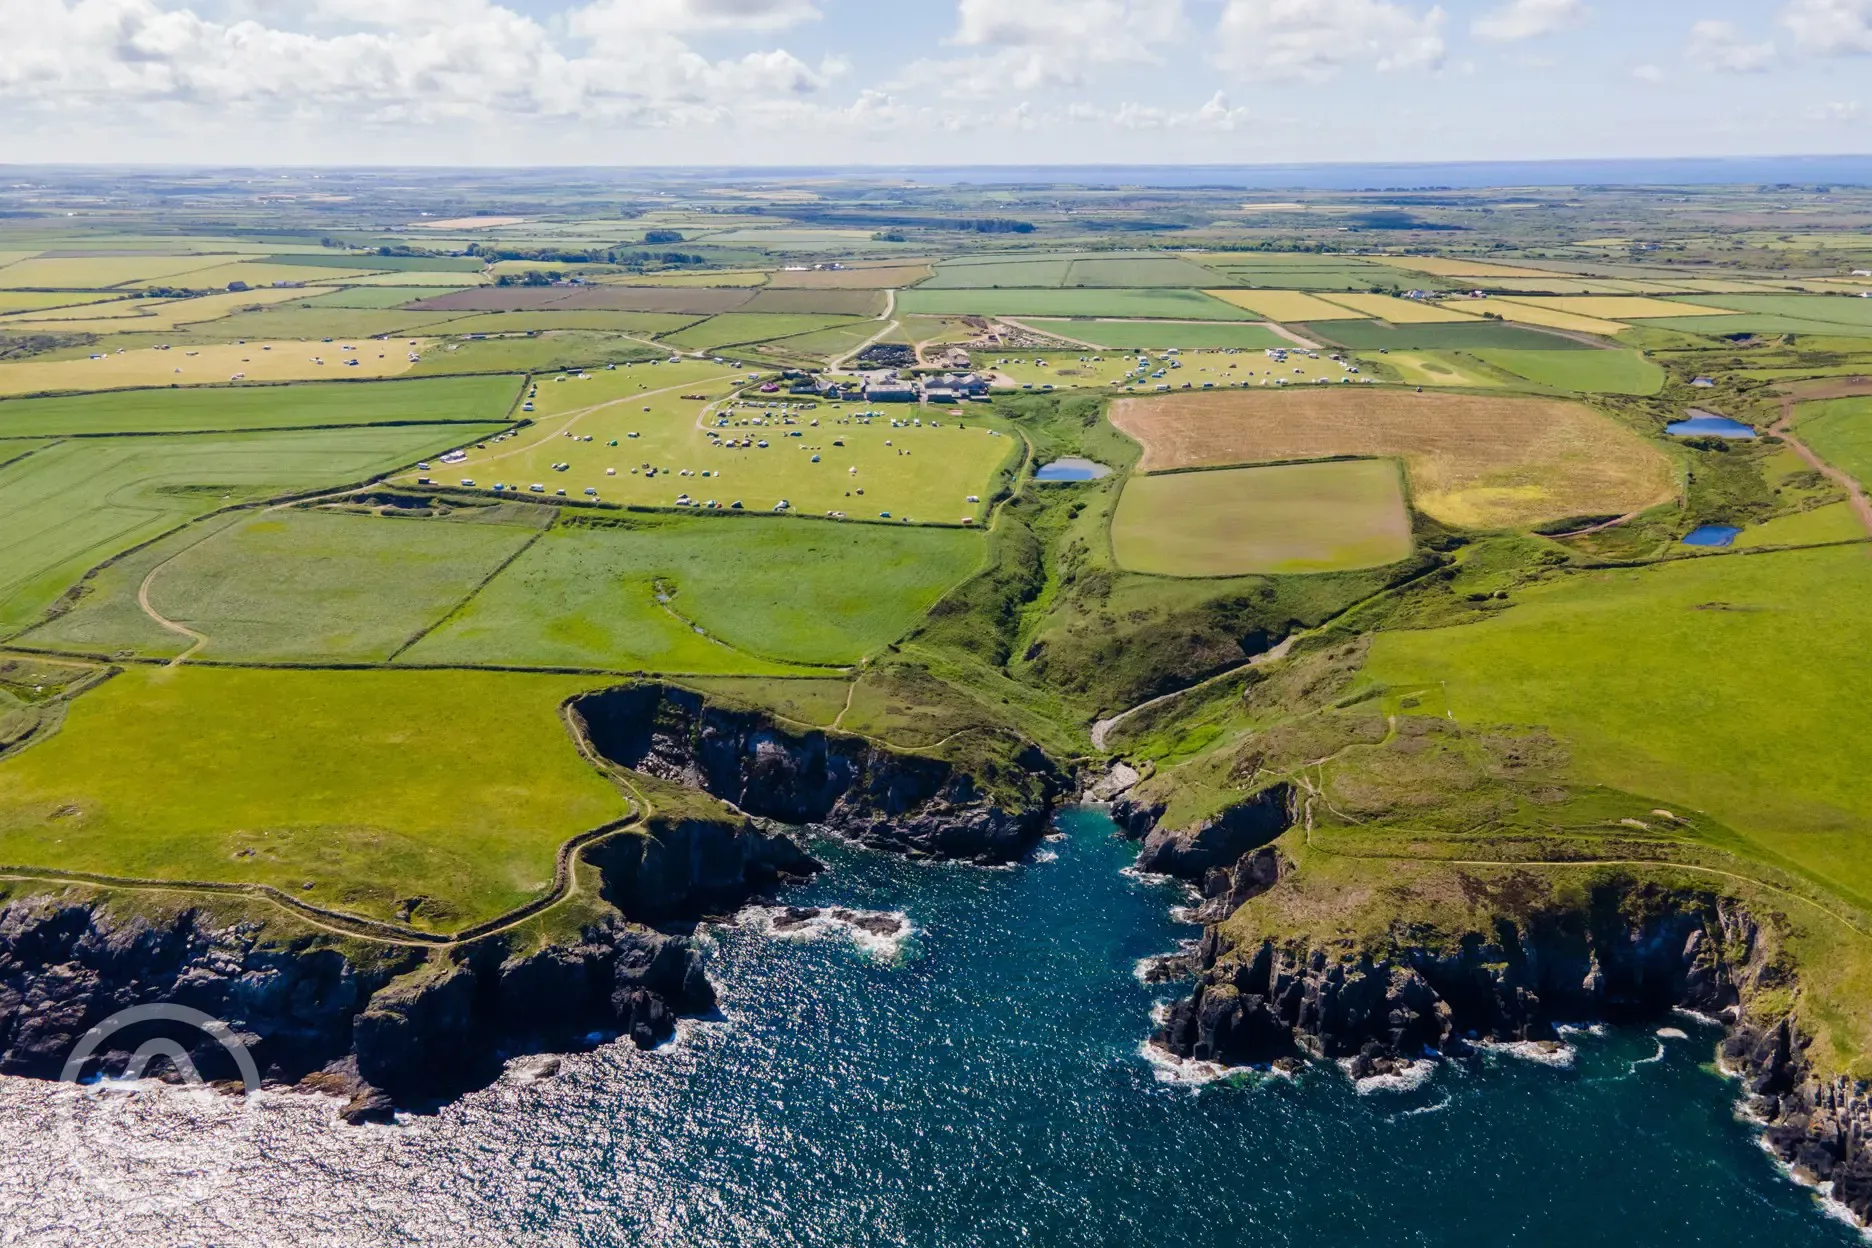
[{"x": 980, "y": 1085}]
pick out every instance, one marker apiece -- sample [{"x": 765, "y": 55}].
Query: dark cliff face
[
  {"x": 404, "y": 1026},
  {"x": 1630, "y": 954},
  {"x": 1215, "y": 844},
  {"x": 905, "y": 803}
]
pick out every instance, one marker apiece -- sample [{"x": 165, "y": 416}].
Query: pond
[
  {"x": 1702, "y": 424},
  {"x": 1713, "y": 535},
  {"x": 1072, "y": 468}
]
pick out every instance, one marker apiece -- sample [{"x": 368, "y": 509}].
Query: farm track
[
  {"x": 1783, "y": 429},
  {"x": 889, "y": 317}
]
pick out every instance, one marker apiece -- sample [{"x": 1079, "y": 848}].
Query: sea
[{"x": 982, "y": 1080}]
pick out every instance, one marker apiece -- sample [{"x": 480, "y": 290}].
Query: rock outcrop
[
  {"x": 906, "y": 803},
  {"x": 1213, "y": 844},
  {"x": 387, "y": 1025},
  {"x": 1630, "y": 954}
]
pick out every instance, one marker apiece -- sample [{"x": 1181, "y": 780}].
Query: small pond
[
  {"x": 1072, "y": 468},
  {"x": 1713, "y": 535},
  {"x": 1709, "y": 425}
]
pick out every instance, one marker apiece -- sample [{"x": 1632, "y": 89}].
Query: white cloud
[
  {"x": 1312, "y": 40},
  {"x": 1021, "y": 46},
  {"x": 1721, "y": 46},
  {"x": 1526, "y": 19},
  {"x": 1839, "y": 112},
  {"x": 1218, "y": 115},
  {"x": 1831, "y": 27},
  {"x": 618, "y": 19},
  {"x": 401, "y": 62},
  {"x": 1650, "y": 75}
]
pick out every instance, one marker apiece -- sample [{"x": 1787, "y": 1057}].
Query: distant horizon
[{"x": 1844, "y": 168}]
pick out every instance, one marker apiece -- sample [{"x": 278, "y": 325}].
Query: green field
[
  {"x": 1348, "y": 276},
  {"x": 1476, "y": 335},
  {"x": 301, "y": 321},
  {"x": 476, "y": 400},
  {"x": 1328, "y": 517},
  {"x": 717, "y": 594},
  {"x": 1583, "y": 372},
  {"x": 371, "y": 787},
  {"x": 740, "y": 329},
  {"x": 1157, "y": 335},
  {"x": 645, "y": 323},
  {"x": 72, "y": 504},
  {"x": 1766, "y": 326},
  {"x": 826, "y": 343},
  {"x": 1834, "y": 522},
  {"x": 920, "y": 472},
  {"x": 1840, "y": 432},
  {"x": 1039, "y": 271},
  {"x": 1704, "y": 682},
  {"x": 373, "y": 297},
  {"x": 328, "y": 586},
  {"x": 543, "y": 352},
  {"x": 1831, "y": 309},
  {"x": 1174, "y": 305}
]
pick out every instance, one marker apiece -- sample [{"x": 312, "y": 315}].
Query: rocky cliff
[
  {"x": 1213, "y": 844},
  {"x": 387, "y": 1025},
  {"x": 905, "y": 803},
  {"x": 1632, "y": 953}
]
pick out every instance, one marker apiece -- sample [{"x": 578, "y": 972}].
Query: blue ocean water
[{"x": 981, "y": 1085}]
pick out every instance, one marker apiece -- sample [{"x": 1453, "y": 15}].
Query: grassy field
[
  {"x": 870, "y": 277},
  {"x": 472, "y": 399},
  {"x": 1699, "y": 683},
  {"x": 1840, "y": 432},
  {"x": 152, "y": 315},
  {"x": 312, "y": 323},
  {"x": 370, "y": 297},
  {"x": 1759, "y": 325},
  {"x": 1172, "y": 305},
  {"x": 1139, "y": 272},
  {"x": 1433, "y": 368},
  {"x": 1584, "y": 372},
  {"x": 1331, "y": 517},
  {"x": 744, "y": 328},
  {"x": 43, "y": 300},
  {"x": 1475, "y": 461},
  {"x": 814, "y": 301},
  {"x": 353, "y": 790},
  {"x": 1289, "y": 305},
  {"x": 216, "y": 365},
  {"x": 1613, "y": 307},
  {"x": 1835, "y": 522},
  {"x": 647, "y": 324},
  {"x": 826, "y": 343},
  {"x": 717, "y": 594},
  {"x": 72, "y": 504},
  {"x": 324, "y": 586},
  {"x": 258, "y": 274},
  {"x": 1548, "y": 318},
  {"x": 1400, "y": 311},
  {"x": 1456, "y": 336},
  {"x": 1832, "y": 309},
  {"x": 700, "y": 301},
  {"x": 1157, "y": 335},
  {"x": 543, "y": 352},
  {"x": 95, "y": 272},
  {"x": 924, "y": 473},
  {"x": 1042, "y": 272}
]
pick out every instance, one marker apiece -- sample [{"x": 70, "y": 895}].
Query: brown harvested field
[
  {"x": 703, "y": 301},
  {"x": 817, "y": 302},
  {"x": 1475, "y": 461},
  {"x": 897, "y": 275}
]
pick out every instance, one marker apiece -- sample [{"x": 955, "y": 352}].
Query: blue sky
[{"x": 631, "y": 82}]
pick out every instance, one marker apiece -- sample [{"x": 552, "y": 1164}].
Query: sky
[{"x": 927, "y": 82}]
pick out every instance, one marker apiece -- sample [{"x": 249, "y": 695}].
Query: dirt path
[
  {"x": 1783, "y": 429},
  {"x": 1102, "y": 730},
  {"x": 196, "y": 639}
]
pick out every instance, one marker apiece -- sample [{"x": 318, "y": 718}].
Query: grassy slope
[
  {"x": 765, "y": 592},
  {"x": 1716, "y": 706},
  {"x": 1587, "y": 372},
  {"x": 373, "y": 786},
  {"x": 1840, "y": 432}
]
